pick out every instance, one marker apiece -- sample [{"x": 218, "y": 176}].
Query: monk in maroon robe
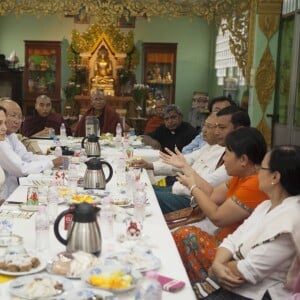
[
  {"x": 108, "y": 118},
  {"x": 43, "y": 120}
]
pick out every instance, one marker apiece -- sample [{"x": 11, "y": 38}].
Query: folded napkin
[{"x": 168, "y": 284}]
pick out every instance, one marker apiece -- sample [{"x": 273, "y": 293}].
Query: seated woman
[
  {"x": 254, "y": 261},
  {"x": 226, "y": 205}
]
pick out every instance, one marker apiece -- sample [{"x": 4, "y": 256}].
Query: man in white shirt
[
  {"x": 15, "y": 160},
  {"x": 203, "y": 160},
  {"x": 227, "y": 120}
]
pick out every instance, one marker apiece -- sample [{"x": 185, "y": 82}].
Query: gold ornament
[{"x": 106, "y": 12}]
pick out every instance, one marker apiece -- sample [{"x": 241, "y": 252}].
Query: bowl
[{"x": 10, "y": 240}]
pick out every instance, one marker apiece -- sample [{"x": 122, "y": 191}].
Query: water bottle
[
  {"x": 131, "y": 131},
  {"x": 73, "y": 176},
  {"x": 148, "y": 289},
  {"x": 82, "y": 155},
  {"x": 58, "y": 151},
  {"x": 52, "y": 201},
  {"x": 120, "y": 172},
  {"x": 139, "y": 202},
  {"x": 41, "y": 230},
  {"x": 118, "y": 134},
  {"x": 63, "y": 134},
  {"x": 62, "y": 131},
  {"x": 107, "y": 218}
]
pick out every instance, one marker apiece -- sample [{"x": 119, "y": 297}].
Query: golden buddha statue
[{"x": 103, "y": 71}]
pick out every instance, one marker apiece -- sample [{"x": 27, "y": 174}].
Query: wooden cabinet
[
  {"x": 42, "y": 73},
  {"x": 160, "y": 69},
  {"x": 11, "y": 84}
]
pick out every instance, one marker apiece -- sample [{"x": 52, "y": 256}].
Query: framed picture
[
  {"x": 82, "y": 17},
  {"x": 124, "y": 22}
]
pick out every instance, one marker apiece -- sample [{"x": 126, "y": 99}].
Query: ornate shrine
[{"x": 103, "y": 58}]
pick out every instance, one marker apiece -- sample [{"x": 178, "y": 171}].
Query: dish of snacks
[
  {"x": 111, "y": 278},
  {"x": 79, "y": 198},
  {"x": 39, "y": 286},
  {"x": 7, "y": 240},
  {"x": 120, "y": 201},
  {"x": 18, "y": 264},
  {"x": 72, "y": 265},
  {"x": 88, "y": 294},
  {"x": 136, "y": 260}
]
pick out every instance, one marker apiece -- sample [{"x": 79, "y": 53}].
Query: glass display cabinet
[
  {"x": 160, "y": 69},
  {"x": 42, "y": 73}
]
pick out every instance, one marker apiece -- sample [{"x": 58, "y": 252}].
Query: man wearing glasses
[
  {"x": 108, "y": 118},
  {"x": 173, "y": 132},
  {"x": 214, "y": 105},
  {"x": 15, "y": 160}
]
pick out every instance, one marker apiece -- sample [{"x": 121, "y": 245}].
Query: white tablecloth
[
  {"x": 106, "y": 151},
  {"x": 156, "y": 236}
]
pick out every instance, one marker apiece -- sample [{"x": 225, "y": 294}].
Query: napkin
[{"x": 168, "y": 284}]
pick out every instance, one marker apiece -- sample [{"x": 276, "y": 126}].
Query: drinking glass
[
  {"x": 137, "y": 171},
  {"x": 133, "y": 229},
  {"x": 32, "y": 195}
]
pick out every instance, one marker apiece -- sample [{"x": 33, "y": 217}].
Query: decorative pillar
[{"x": 263, "y": 71}]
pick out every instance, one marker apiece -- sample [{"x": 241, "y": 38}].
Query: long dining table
[{"x": 156, "y": 235}]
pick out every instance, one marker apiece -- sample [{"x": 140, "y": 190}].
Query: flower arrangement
[
  {"x": 70, "y": 90},
  {"x": 140, "y": 93}
]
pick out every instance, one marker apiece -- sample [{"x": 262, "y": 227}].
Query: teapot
[
  {"x": 83, "y": 231},
  {"x": 94, "y": 177},
  {"x": 92, "y": 146}
]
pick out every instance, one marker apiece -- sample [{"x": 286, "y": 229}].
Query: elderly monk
[
  {"x": 108, "y": 118},
  {"x": 43, "y": 119}
]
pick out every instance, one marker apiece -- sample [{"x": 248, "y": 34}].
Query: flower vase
[{"x": 139, "y": 111}]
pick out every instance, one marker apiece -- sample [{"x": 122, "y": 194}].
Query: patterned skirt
[{"x": 197, "y": 249}]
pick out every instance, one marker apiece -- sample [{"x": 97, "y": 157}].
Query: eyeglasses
[
  {"x": 259, "y": 167},
  {"x": 16, "y": 117}
]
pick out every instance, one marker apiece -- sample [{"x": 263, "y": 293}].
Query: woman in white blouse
[
  {"x": 2, "y": 137},
  {"x": 254, "y": 261}
]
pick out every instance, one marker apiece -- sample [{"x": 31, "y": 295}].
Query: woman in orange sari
[{"x": 226, "y": 205}]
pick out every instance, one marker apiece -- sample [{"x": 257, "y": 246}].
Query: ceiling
[{"x": 106, "y": 11}]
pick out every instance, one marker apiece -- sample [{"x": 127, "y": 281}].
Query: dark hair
[
  {"x": 3, "y": 109},
  {"x": 248, "y": 141},
  {"x": 285, "y": 159},
  {"x": 219, "y": 99},
  {"x": 172, "y": 107},
  {"x": 239, "y": 117}
]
